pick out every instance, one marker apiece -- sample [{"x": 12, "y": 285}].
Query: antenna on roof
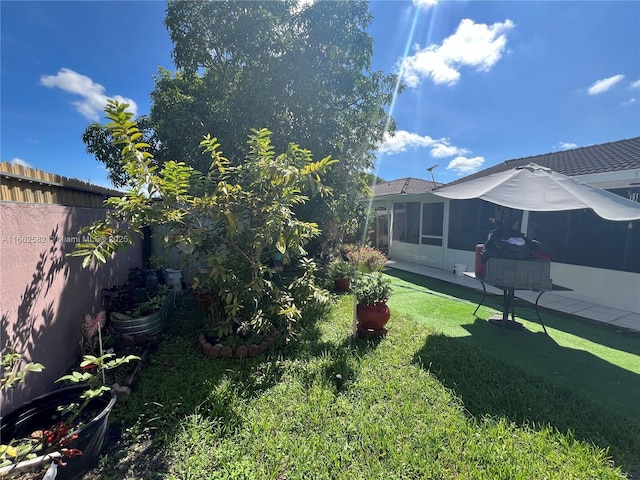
[{"x": 430, "y": 170}]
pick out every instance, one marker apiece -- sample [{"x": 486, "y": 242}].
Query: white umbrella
[{"x": 540, "y": 189}]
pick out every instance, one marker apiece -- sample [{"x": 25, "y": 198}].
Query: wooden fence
[{"x": 28, "y": 185}]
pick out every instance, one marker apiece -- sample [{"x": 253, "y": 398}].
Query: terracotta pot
[
  {"x": 264, "y": 346},
  {"x": 373, "y": 317},
  {"x": 226, "y": 352},
  {"x": 341, "y": 284}
]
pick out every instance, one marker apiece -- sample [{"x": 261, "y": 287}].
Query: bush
[
  {"x": 370, "y": 288},
  {"x": 340, "y": 268},
  {"x": 368, "y": 259}
]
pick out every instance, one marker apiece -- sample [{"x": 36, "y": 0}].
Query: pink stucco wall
[{"x": 45, "y": 294}]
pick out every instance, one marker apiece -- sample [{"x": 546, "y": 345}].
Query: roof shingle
[
  {"x": 602, "y": 158},
  {"x": 404, "y": 186}
]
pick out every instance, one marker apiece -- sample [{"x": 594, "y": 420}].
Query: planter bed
[{"x": 149, "y": 324}]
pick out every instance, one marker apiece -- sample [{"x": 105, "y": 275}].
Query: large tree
[
  {"x": 304, "y": 73},
  {"x": 99, "y": 143}
]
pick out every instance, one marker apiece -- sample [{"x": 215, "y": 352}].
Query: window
[
  {"x": 580, "y": 237},
  {"x": 432, "y": 220},
  {"x": 470, "y": 222},
  {"x": 406, "y": 222}
]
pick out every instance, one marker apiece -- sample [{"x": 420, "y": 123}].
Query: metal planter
[{"x": 149, "y": 325}]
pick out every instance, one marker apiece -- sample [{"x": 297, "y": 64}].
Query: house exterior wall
[
  {"x": 45, "y": 294},
  {"x": 611, "y": 288}
]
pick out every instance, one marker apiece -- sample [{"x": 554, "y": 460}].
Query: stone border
[{"x": 242, "y": 351}]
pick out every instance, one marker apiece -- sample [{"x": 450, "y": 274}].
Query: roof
[
  {"x": 602, "y": 158},
  {"x": 404, "y": 186}
]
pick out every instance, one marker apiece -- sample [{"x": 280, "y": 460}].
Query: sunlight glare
[{"x": 407, "y": 48}]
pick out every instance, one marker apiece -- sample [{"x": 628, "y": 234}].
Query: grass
[
  {"x": 437, "y": 398},
  {"x": 589, "y": 358}
]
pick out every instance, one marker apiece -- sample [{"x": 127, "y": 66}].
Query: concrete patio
[{"x": 557, "y": 302}]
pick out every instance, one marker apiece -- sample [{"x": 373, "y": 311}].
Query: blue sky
[{"x": 486, "y": 81}]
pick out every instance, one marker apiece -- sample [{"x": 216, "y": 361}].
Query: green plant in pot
[
  {"x": 66, "y": 427},
  {"x": 146, "y": 314},
  {"x": 341, "y": 272},
  {"x": 372, "y": 290}
]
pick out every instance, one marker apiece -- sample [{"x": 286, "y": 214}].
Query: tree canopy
[
  {"x": 99, "y": 143},
  {"x": 303, "y": 72}
]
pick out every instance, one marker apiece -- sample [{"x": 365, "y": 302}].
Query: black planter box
[{"x": 40, "y": 414}]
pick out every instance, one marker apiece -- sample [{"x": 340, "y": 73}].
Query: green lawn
[
  {"x": 442, "y": 396},
  {"x": 596, "y": 360}
]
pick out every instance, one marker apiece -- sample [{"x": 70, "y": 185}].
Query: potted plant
[
  {"x": 341, "y": 272},
  {"x": 372, "y": 291},
  {"x": 202, "y": 289},
  {"x": 66, "y": 427}
]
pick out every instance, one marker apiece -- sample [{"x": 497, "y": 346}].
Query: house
[
  {"x": 597, "y": 258},
  {"x": 403, "y": 186}
]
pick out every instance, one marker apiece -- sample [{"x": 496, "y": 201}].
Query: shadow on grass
[
  {"x": 490, "y": 385},
  {"x": 180, "y": 383},
  {"x": 620, "y": 339}
]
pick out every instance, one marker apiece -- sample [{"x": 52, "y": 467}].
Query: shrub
[
  {"x": 370, "y": 288},
  {"x": 236, "y": 216},
  {"x": 368, "y": 259}
]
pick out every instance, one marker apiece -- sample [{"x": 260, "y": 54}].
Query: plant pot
[
  {"x": 40, "y": 413},
  {"x": 173, "y": 278},
  {"x": 374, "y": 317},
  {"x": 341, "y": 284},
  {"x": 150, "y": 324}
]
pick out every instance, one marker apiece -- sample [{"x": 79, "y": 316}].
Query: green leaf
[
  {"x": 34, "y": 367},
  {"x": 281, "y": 244},
  {"x": 100, "y": 256}
]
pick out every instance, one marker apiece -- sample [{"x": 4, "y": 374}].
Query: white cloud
[
  {"x": 21, "y": 162},
  {"x": 442, "y": 150},
  {"x": 473, "y": 45},
  {"x": 567, "y": 145},
  {"x": 465, "y": 166},
  {"x": 93, "y": 98},
  {"x": 605, "y": 84},
  {"x": 631, "y": 101},
  {"x": 635, "y": 84},
  {"x": 402, "y": 140},
  {"x": 426, "y": 4}
]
